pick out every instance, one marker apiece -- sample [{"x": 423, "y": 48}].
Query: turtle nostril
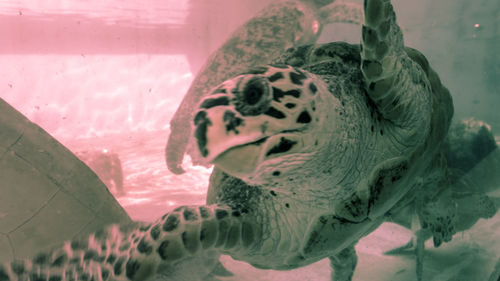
[{"x": 254, "y": 99}]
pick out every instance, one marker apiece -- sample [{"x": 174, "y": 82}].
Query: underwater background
[{"x": 107, "y": 76}]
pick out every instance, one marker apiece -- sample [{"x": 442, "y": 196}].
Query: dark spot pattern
[
  {"x": 204, "y": 212},
  {"x": 41, "y": 259},
  {"x": 190, "y": 215},
  {"x": 3, "y": 274},
  {"x": 171, "y": 223},
  {"x": 287, "y": 205},
  {"x": 17, "y": 267},
  {"x": 78, "y": 245},
  {"x": 155, "y": 232},
  {"x": 220, "y": 214},
  {"x": 117, "y": 268},
  {"x": 273, "y": 112},
  {"x": 201, "y": 121},
  {"x": 90, "y": 254},
  {"x": 278, "y": 94},
  {"x": 236, "y": 214},
  {"x": 60, "y": 260},
  {"x": 323, "y": 220},
  {"x": 83, "y": 277},
  {"x": 144, "y": 248},
  {"x": 232, "y": 122},
  {"x": 298, "y": 77},
  {"x": 36, "y": 277},
  {"x": 131, "y": 268},
  {"x": 273, "y": 193},
  {"x": 162, "y": 250},
  {"x": 313, "y": 88},
  {"x": 275, "y": 77},
  {"x": 304, "y": 117},
  {"x": 209, "y": 103},
  {"x": 143, "y": 229},
  {"x": 203, "y": 233},
  {"x": 104, "y": 273},
  {"x": 283, "y": 146},
  {"x": 290, "y": 105},
  {"x": 276, "y": 173},
  {"x": 99, "y": 259},
  {"x": 184, "y": 238},
  {"x": 111, "y": 259}
]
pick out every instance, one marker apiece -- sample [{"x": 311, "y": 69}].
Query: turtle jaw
[
  {"x": 250, "y": 161},
  {"x": 239, "y": 161}
]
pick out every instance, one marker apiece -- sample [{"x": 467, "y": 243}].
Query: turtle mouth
[{"x": 243, "y": 160}]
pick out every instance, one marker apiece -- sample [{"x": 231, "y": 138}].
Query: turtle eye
[
  {"x": 254, "y": 98},
  {"x": 253, "y": 92}
]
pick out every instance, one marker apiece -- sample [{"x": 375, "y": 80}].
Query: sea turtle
[
  {"x": 47, "y": 195},
  {"x": 251, "y": 45},
  {"x": 311, "y": 152}
]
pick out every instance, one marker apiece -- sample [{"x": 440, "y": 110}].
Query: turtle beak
[{"x": 239, "y": 161}]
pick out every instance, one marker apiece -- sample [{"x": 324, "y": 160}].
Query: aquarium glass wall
[{"x": 104, "y": 78}]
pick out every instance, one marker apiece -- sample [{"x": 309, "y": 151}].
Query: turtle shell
[{"x": 47, "y": 195}]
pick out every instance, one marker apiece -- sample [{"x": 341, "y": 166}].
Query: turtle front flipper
[
  {"x": 343, "y": 264},
  {"x": 394, "y": 82},
  {"x": 182, "y": 245}
]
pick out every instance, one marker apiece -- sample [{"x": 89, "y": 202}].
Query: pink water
[{"x": 150, "y": 190}]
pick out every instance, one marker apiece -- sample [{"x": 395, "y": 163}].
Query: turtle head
[{"x": 262, "y": 124}]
